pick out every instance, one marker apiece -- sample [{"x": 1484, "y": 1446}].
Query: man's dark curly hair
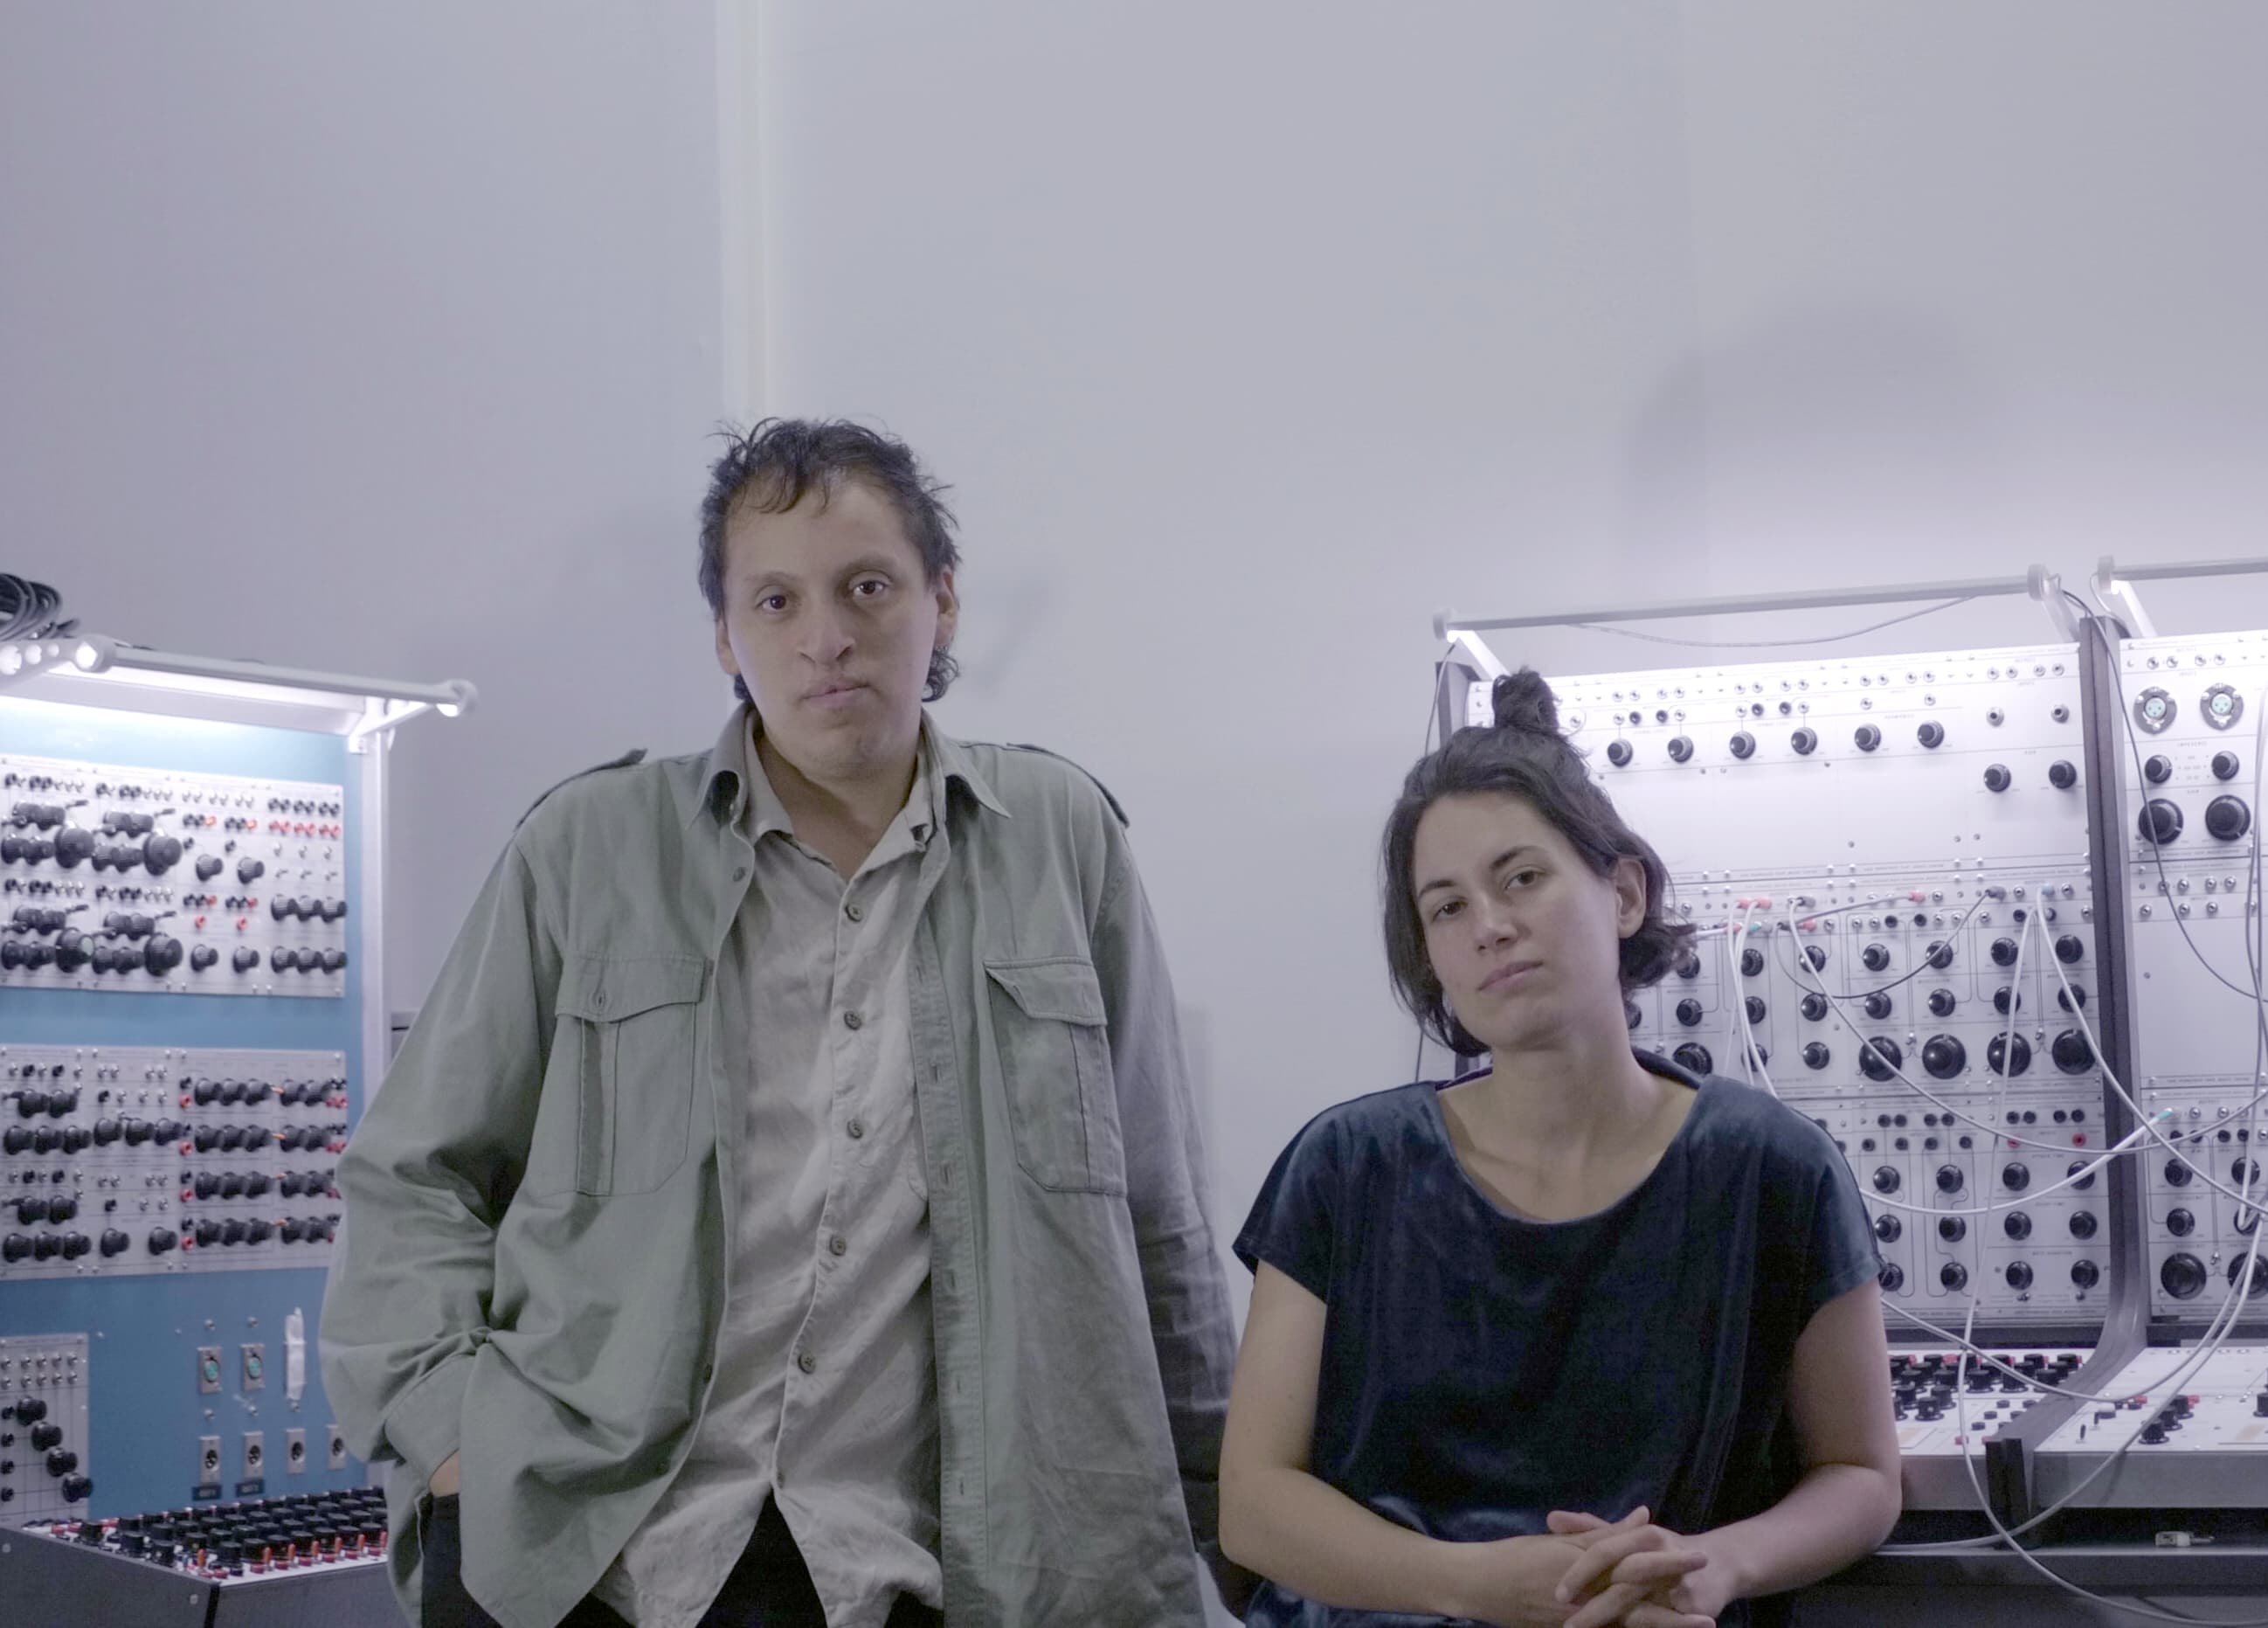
[
  {"x": 1523, "y": 756},
  {"x": 774, "y": 465}
]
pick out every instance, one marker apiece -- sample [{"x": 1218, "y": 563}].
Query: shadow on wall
[{"x": 1818, "y": 432}]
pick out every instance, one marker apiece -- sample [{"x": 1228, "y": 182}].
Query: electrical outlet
[
  {"x": 294, "y": 1451},
  {"x": 338, "y": 1449},
  {"x": 208, "y": 1370},
  {"x": 255, "y": 1367},
  {"x": 208, "y": 1460},
  {"x": 255, "y": 1454}
]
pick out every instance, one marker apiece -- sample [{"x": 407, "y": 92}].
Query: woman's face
[{"x": 1525, "y": 936}]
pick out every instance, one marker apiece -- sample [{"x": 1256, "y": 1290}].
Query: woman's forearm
[
  {"x": 1313, "y": 1539},
  {"x": 1835, "y": 1514}
]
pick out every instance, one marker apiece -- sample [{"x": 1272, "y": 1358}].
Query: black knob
[
  {"x": 2082, "y": 1224},
  {"x": 333, "y": 961},
  {"x": 1886, "y": 1179},
  {"x": 1876, "y": 957},
  {"x": 2184, "y": 1276},
  {"x": 1952, "y": 1229},
  {"x": 1866, "y": 738},
  {"x": 257, "y": 1231},
  {"x": 1816, "y": 1055},
  {"x": 1618, "y": 753},
  {"x": 72, "y": 951},
  {"x": 2071, "y": 1053},
  {"x": 250, "y": 870},
  {"x": 1930, "y": 735},
  {"x": 2005, "y": 998},
  {"x": 231, "y": 1184},
  {"x": 204, "y": 1092},
  {"x": 205, "y": 1184},
  {"x": 1942, "y": 1002},
  {"x": 280, "y": 907},
  {"x": 2016, "y": 1175},
  {"x": 245, "y": 958},
  {"x": 208, "y": 866},
  {"x": 2004, "y": 952},
  {"x": 29, "y": 1210},
  {"x": 1877, "y": 1005},
  {"x": 161, "y": 1239},
  {"x": 136, "y": 1132},
  {"x": 1755, "y": 1005},
  {"x": 2084, "y": 1274},
  {"x": 1812, "y": 1005},
  {"x": 1816, "y": 954},
  {"x": 2180, "y": 1222},
  {"x": 1881, "y": 1057},
  {"x": 1804, "y": 742},
  {"x": 116, "y": 1243},
  {"x": 1998, "y": 1056},
  {"x": 1997, "y": 777},
  {"x": 2018, "y": 1226},
  {"x": 281, "y": 959},
  {"x": 232, "y": 1232},
  {"x": 62, "y": 1462},
  {"x": 291, "y": 1231},
  {"x": 1743, "y": 744},
  {"x": 1680, "y": 749},
  {"x": 161, "y": 955},
  {"x": 2020, "y": 1275},
  {"x": 1694, "y": 1058},
  {"x": 1954, "y": 1276},
  {"x": 61, "y": 1208},
  {"x": 1949, "y": 1178},
  {"x": 207, "y": 1138},
  {"x": 2161, "y": 822},
  {"x": 160, "y": 853},
  {"x": 1892, "y": 1277},
  {"x": 2069, "y": 948},
  {"x": 106, "y": 1132},
  {"x": 2224, "y": 765},
  {"x": 1940, "y": 955},
  {"x": 72, "y": 845},
  {"x": 14, "y": 1247},
  {"x": 2084, "y": 1181},
  {"x": 2159, "y": 769},
  {"x": 2062, "y": 776},
  {"x": 203, "y": 957},
  {"x": 1688, "y": 966},
  {"x": 1944, "y": 1056},
  {"x": 1689, "y": 1012},
  {"x": 2228, "y": 818},
  {"x": 2177, "y": 1173},
  {"x": 1889, "y": 1228}
]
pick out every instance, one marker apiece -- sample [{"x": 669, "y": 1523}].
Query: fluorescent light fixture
[{"x": 99, "y": 670}]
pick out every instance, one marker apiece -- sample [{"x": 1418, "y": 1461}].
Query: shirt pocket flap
[
  {"x": 606, "y": 988},
  {"x": 1061, "y": 988}
]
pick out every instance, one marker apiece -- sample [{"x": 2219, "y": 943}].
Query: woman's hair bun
[{"x": 1523, "y": 700}]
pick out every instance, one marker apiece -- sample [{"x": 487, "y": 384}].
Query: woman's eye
[
  {"x": 1443, "y": 912},
  {"x": 1520, "y": 878}
]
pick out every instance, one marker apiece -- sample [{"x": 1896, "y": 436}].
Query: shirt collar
[{"x": 732, "y": 780}]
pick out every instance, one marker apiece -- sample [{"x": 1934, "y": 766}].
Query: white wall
[
  {"x": 381, "y": 338},
  {"x": 1253, "y": 336}
]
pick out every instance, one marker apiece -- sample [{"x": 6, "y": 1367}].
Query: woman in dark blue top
[{"x": 1577, "y": 1339}]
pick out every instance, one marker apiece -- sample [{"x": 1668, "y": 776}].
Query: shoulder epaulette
[
  {"x": 1115, "y": 806},
  {"x": 634, "y": 755}
]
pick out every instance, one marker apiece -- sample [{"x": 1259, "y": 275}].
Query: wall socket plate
[
  {"x": 208, "y": 1460},
  {"x": 255, "y": 1367},
  {"x": 338, "y": 1449},
  {"x": 209, "y": 1370},
  {"x": 255, "y": 1454}
]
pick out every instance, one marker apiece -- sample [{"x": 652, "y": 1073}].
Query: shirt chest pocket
[
  {"x": 626, "y": 1054},
  {"x": 1050, "y": 1029}
]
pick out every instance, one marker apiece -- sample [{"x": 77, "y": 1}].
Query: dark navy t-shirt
[{"x": 1480, "y": 1370}]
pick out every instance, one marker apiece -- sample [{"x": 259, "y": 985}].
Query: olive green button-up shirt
[{"x": 540, "y": 1201}]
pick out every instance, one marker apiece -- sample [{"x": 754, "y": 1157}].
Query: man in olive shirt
[{"x": 787, "y": 1209}]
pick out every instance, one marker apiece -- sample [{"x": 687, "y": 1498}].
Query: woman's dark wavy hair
[
  {"x": 774, "y": 465},
  {"x": 1523, "y": 756}
]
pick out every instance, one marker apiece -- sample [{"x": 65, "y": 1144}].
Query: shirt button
[
  {"x": 854, "y": 912},
  {"x": 838, "y": 1245},
  {"x": 856, "y": 1128},
  {"x": 739, "y": 872},
  {"x": 599, "y": 1000},
  {"x": 808, "y": 1363},
  {"x": 851, "y": 1020}
]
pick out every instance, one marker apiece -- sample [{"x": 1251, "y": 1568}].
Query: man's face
[{"x": 830, "y": 621}]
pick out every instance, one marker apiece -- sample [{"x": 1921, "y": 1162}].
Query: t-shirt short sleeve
[
  {"x": 1842, "y": 1253},
  {"x": 1292, "y": 1226}
]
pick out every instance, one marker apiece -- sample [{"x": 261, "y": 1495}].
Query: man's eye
[
  {"x": 772, "y": 602},
  {"x": 873, "y": 588}
]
